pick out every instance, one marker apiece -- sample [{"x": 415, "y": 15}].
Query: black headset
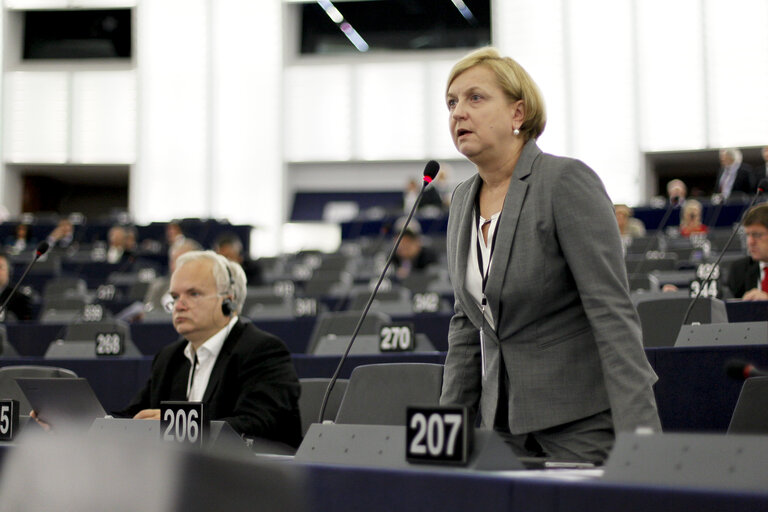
[{"x": 227, "y": 308}]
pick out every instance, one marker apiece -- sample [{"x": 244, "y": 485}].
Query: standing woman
[{"x": 545, "y": 343}]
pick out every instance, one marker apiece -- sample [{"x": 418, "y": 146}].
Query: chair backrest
[
  {"x": 9, "y": 388},
  {"x": 378, "y": 394},
  {"x": 661, "y": 317},
  {"x": 312, "y": 393},
  {"x": 65, "y": 286},
  {"x": 6, "y": 349},
  {"x": 750, "y": 416},
  {"x": 87, "y": 331},
  {"x": 343, "y": 324},
  {"x": 81, "y": 337}
]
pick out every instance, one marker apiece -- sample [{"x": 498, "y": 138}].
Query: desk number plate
[
  {"x": 438, "y": 435},
  {"x": 182, "y": 423},
  {"x": 9, "y": 419},
  {"x": 397, "y": 338}
]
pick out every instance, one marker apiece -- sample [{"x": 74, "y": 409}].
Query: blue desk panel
[
  {"x": 32, "y": 339},
  {"x": 341, "y": 488}
]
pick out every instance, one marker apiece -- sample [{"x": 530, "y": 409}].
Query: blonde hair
[{"x": 516, "y": 83}]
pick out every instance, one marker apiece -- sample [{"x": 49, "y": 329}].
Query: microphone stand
[{"x": 428, "y": 176}]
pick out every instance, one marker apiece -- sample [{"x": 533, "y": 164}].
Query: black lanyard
[{"x": 483, "y": 272}]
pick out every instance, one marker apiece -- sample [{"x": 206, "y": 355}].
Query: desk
[
  {"x": 746, "y": 310},
  {"x": 32, "y": 339},
  {"x": 693, "y": 393},
  {"x": 116, "y": 381},
  {"x": 356, "y": 488}
]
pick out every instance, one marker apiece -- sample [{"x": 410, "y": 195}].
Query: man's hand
[
  {"x": 755, "y": 294},
  {"x": 44, "y": 425},
  {"x": 148, "y": 414}
]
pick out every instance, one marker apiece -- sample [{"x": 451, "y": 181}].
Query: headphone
[{"x": 227, "y": 308}]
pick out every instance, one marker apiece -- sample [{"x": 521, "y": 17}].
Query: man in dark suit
[
  {"x": 734, "y": 176},
  {"x": 242, "y": 374},
  {"x": 20, "y": 305},
  {"x": 748, "y": 277}
]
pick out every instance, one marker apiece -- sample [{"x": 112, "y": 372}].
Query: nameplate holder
[
  {"x": 438, "y": 435},
  {"x": 384, "y": 446},
  {"x": 397, "y": 337},
  {"x": 183, "y": 423},
  {"x": 426, "y": 302},
  {"x": 109, "y": 344},
  {"x": 9, "y": 419},
  {"x": 703, "y": 461}
]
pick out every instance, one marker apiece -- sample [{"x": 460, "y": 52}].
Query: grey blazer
[{"x": 565, "y": 326}]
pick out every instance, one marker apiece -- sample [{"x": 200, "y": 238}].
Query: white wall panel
[
  {"x": 36, "y": 117},
  {"x": 532, "y": 33},
  {"x": 737, "y": 72},
  {"x": 36, "y": 4},
  {"x": 318, "y": 112},
  {"x": 671, "y": 75},
  {"x": 170, "y": 177},
  {"x": 439, "y": 139},
  {"x": 247, "y": 110},
  {"x": 389, "y": 112},
  {"x": 104, "y": 117},
  {"x": 602, "y": 93}
]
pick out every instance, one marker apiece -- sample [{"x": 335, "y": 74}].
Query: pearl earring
[{"x": 516, "y": 131}]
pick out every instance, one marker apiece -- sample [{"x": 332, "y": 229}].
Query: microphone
[
  {"x": 430, "y": 171},
  {"x": 739, "y": 369},
  {"x": 761, "y": 187},
  {"x": 41, "y": 249}
]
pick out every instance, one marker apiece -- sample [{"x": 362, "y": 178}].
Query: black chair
[
  {"x": 342, "y": 324},
  {"x": 81, "y": 337},
  {"x": 65, "y": 286},
  {"x": 750, "y": 416},
  {"x": 6, "y": 349},
  {"x": 9, "y": 374},
  {"x": 661, "y": 316},
  {"x": 378, "y": 394},
  {"x": 312, "y": 393}
]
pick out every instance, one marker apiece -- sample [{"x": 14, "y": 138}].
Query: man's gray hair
[{"x": 229, "y": 276}]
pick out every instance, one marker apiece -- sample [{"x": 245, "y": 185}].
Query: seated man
[
  {"x": 411, "y": 255},
  {"x": 748, "y": 277},
  {"x": 242, "y": 374}
]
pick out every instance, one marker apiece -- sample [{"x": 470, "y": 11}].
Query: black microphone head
[
  {"x": 763, "y": 185},
  {"x": 737, "y": 369},
  {"x": 430, "y": 171},
  {"x": 42, "y": 248}
]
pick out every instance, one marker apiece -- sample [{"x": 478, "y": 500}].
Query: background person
[
  {"x": 690, "y": 219},
  {"x": 629, "y": 226},
  {"x": 747, "y": 277},
  {"x": 734, "y": 175},
  {"x": 544, "y": 341},
  {"x": 411, "y": 255}
]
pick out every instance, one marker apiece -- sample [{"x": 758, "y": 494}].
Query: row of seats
[{"x": 373, "y": 395}]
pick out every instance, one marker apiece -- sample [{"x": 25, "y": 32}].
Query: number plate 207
[{"x": 438, "y": 435}]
